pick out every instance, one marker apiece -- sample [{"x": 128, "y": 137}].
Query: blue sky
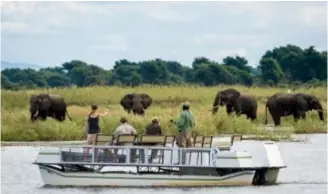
[{"x": 51, "y": 33}]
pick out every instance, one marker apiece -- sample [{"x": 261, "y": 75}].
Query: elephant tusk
[{"x": 36, "y": 113}]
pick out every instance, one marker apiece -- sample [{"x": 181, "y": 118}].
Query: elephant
[
  {"x": 48, "y": 105},
  {"x": 284, "y": 104},
  {"x": 137, "y": 102},
  {"x": 236, "y": 102}
]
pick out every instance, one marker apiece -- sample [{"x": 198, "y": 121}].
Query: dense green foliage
[{"x": 282, "y": 65}]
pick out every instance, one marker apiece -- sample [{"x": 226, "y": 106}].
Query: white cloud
[
  {"x": 65, "y": 14},
  {"x": 224, "y": 38},
  {"x": 314, "y": 15},
  {"x": 112, "y": 42}
]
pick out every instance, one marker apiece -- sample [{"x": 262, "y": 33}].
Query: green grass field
[{"x": 16, "y": 125}]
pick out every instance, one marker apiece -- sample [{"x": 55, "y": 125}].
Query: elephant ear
[
  {"x": 127, "y": 100},
  {"x": 301, "y": 102},
  {"x": 232, "y": 95},
  {"x": 146, "y": 100},
  {"x": 33, "y": 98},
  {"x": 45, "y": 102}
]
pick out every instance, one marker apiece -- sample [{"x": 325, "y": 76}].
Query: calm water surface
[{"x": 306, "y": 173}]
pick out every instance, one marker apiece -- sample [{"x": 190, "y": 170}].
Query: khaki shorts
[{"x": 91, "y": 139}]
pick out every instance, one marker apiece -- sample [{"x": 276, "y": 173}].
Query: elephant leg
[
  {"x": 229, "y": 109},
  {"x": 276, "y": 119},
  {"x": 299, "y": 115},
  {"x": 62, "y": 116},
  {"x": 251, "y": 116}
]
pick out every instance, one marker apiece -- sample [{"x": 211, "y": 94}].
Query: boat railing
[{"x": 138, "y": 156}]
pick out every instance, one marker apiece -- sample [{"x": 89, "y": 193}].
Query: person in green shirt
[{"x": 185, "y": 124}]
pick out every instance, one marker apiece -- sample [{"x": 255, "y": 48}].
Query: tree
[
  {"x": 154, "y": 72},
  {"x": 270, "y": 70},
  {"x": 237, "y": 61}
]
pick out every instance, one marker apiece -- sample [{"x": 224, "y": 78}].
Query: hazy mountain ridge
[{"x": 20, "y": 65}]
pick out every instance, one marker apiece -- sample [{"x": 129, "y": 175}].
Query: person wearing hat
[
  {"x": 124, "y": 128},
  {"x": 185, "y": 124},
  {"x": 154, "y": 127}
]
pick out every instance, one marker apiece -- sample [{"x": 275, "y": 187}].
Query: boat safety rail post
[
  {"x": 207, "y": 143},
  {"x": 152, "y": 140},
  {"x": 198, "y": 143},
  {"x": 183, "y": 151}
]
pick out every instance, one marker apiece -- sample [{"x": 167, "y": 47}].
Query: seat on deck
[
  {"x": 170, "y": 140},
  {"x": 101, "y": 140},
  {"x": 152, "y": 140},
  {"x": 127, "y": 140},
  {"x": 104, "y": 139}
]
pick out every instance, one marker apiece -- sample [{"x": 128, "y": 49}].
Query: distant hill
[{"x": 9, "y": 65}]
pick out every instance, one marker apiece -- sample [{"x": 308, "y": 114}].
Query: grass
[{"x": 16, "y": 125}]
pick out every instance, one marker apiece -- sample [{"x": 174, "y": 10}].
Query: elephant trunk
[
  {"x": 69, "y": 117},
  {"x": 320, "y": 112}
]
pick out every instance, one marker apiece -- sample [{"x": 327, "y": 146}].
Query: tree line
[{"x": 288, "y": 64}]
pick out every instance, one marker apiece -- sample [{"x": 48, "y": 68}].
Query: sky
[{"x": 100, "y": 33}]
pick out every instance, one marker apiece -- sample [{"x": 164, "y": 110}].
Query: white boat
[{"x": 131, "y": 167}]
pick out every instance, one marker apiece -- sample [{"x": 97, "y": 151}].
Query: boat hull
[{"x": 55, "y": 177}]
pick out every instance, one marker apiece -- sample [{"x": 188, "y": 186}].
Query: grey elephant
[
  {"x": 136, "y": 102},
  {"x": 236, "y": 102},
  {"x": 284, "y": 104},
  {"x": 48, "y": 105}
]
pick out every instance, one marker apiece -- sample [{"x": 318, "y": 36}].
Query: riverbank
[{"x": 16, "y": 124}]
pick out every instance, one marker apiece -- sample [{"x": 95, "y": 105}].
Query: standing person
[
  {"x": 185, "y": 124},
  {"x": 92, "y": 126}
]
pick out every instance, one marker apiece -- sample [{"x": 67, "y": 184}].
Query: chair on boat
[
  {"x": 170, "y": 140},
  {"x": 103, "y": 139},
  {"x": 127, "y": 140},
  {"x": 152, "y": 140}
]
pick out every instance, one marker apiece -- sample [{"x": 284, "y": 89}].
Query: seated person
[
  {"x": 153, "y": 128},
  {"x": 124, "y": 129}
]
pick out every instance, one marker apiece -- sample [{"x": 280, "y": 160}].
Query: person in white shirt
[{"x": 124, "y": 129}]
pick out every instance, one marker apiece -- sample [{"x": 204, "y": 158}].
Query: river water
[{"x": 306, "y": 172}]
